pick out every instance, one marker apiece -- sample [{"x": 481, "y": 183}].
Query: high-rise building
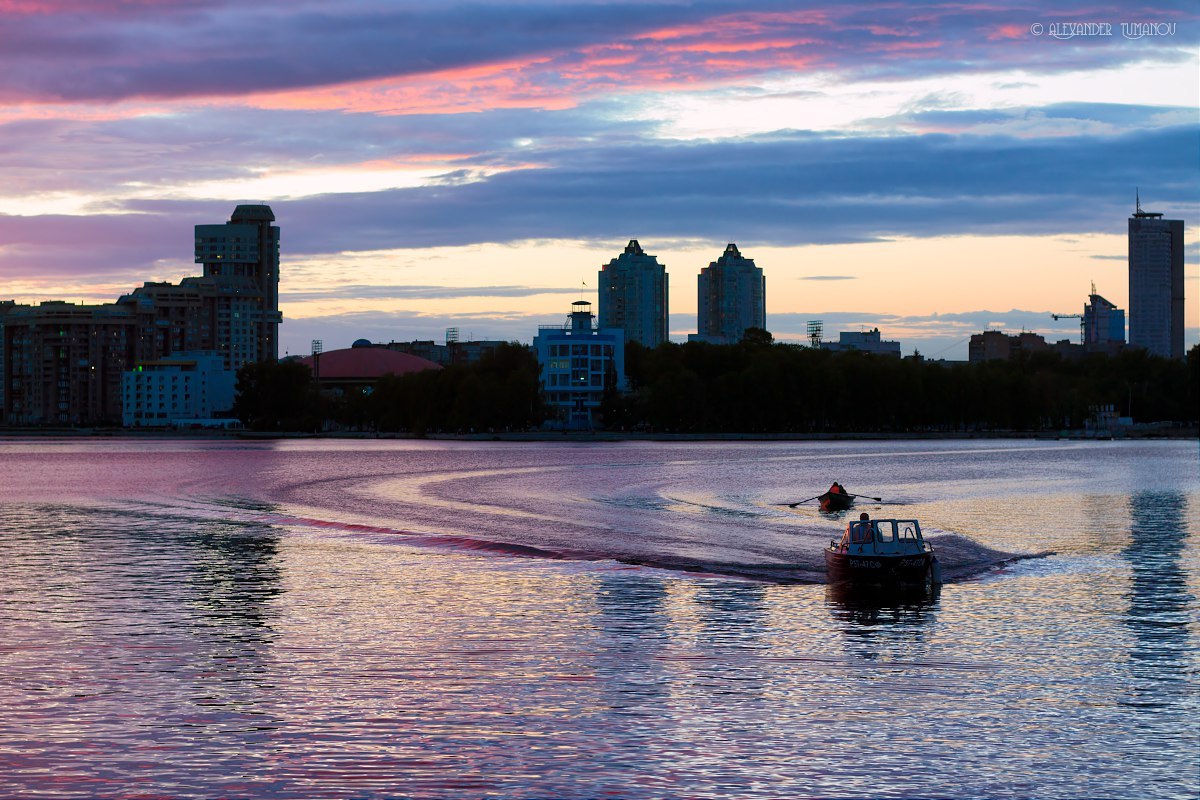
[
  {"x": 731, "y": 297},
  {"x": 1156, "y": 283},
  {"x": 241, "y": 262},
  {"x": 633, "y": 296},
  {"x": 62, "y": 363}
]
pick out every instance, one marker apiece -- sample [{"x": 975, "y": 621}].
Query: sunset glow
[{"x": 927, "y": 169}]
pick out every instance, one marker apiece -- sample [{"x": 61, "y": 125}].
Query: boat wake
[{"x": 718, "y": 518}]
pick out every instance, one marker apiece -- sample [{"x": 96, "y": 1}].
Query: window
[{"x": 860, "y": 533}]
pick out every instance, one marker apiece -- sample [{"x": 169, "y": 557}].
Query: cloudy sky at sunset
[{"x": 932, "y": 169}]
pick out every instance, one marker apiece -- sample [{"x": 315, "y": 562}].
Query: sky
[{"x": 929, "y": 169}]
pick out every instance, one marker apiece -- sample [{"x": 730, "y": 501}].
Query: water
[{"x": 318, "y": 619}]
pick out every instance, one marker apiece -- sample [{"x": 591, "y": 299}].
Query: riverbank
[{"x": 1149, "y": 431}]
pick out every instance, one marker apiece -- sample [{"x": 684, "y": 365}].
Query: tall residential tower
[
  {"x": 633, "y": 296},
  {"x": 1156, "y": 283},
  {"x": 241, "y": 257},
  {"x": 731, "y": 297}
]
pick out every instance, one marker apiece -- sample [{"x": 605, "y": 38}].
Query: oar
[
  {"x": 798, "y": 502},
  {"x": 876, "y": 499}
]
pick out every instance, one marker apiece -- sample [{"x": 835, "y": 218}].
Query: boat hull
[
  {"x": 835, "y": 502},
  {"x": 878, "y": 570}
]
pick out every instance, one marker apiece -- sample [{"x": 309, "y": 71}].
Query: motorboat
[
  {"x": 882, "y": 552},
  {"x": 835, "y": 501}
]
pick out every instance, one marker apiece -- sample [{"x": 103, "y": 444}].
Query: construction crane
[{"x": 1079, "y": 317}]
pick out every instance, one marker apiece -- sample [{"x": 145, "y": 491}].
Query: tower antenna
[{"x": 1137, "y": 194}]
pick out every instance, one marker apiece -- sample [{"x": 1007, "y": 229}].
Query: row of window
[
  {"x": 571, "y": 398},
  {"x": 580, "y": 380},
  {"x": 580, "y": 350}
]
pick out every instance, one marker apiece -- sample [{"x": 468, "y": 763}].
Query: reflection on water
[
  {"x": 911, "y": 606},
  {"x": 257, "y": 621},
  {"x": 1161, "y": 608}
]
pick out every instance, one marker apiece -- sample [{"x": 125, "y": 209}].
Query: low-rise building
[
  {"x": 578, "y": 361},
  {"x": 863, "y": 341},
  {"x": 1000, "y": 346},
  {"x": 184, "y": 389},
  {"x": 356, "y": 370},
  {"x": 452, "y": 353}
]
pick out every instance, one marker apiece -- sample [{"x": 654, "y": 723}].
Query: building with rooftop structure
[
  {"x": 578, "y": 362},
  {"x": 241, "y": 276},
  {"x": 863, "y": 342},
  {"x": 1103, "y": 325},
  {"x": 1156, "y": 283}
]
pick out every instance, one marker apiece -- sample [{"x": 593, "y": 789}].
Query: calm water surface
[{"x": 322, "y": 619}]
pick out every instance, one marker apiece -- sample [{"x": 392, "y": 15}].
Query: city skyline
[{"x": 932, "y": 171}]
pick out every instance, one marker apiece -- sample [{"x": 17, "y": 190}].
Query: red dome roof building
[{"x": 361, "y": 367}]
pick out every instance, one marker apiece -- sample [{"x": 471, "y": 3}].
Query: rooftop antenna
[{"x": 1137, "y": 194}]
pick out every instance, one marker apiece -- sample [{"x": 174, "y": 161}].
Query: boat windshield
[
  {"x": 885, "y": 535},
  {"x": 861, "y": 532}
]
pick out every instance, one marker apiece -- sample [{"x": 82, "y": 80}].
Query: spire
[
  {"x": 1137, "y": 194},
  {"x": 633, "y": 248}
]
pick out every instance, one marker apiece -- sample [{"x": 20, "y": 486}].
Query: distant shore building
[
  {"x": 578, "y": 361},
  {"x": 731, "y": 298},
  {"x": 453, "y": 352},
  {"x": 184, "y": 390},
  {"x": 1103, "y": 325},
  {"x": 632, "y": 295},
  {"x": 864, "y": 342},
  {"x": 356, "y": 370},
  {"x": 1156, "y": 283},
  {"x": 999, "y": 346},
  {"x": 62, "y": 363}
]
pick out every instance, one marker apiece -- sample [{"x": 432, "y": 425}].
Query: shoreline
[{"x": 1150, "y": 433}]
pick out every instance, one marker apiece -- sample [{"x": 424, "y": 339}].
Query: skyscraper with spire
[
  {"x": 632, "y": 293},
  {"x": 1155, "y": 283}
]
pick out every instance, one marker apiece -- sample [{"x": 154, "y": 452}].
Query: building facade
[
  {"x": 186, "y": 389},
  {"x": 452, "y": 353},
  {"x": 1156, "y": 283},
  {"x": 62, "y": 363},
  {"x": 578, "y": 361},
  {"x": 863, "y": 341},
  {"x": 731, "y": 297},
  {"x": 1000, "y": 346},
  {"x": 633, "y": 296},
  {"x": 241, "y": 278},
  {"x": 1103, "y": 325}
]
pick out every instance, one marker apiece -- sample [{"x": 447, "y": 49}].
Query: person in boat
[
  {"x": 836, "y": 488},
  {"x": 863, "y": 517}
]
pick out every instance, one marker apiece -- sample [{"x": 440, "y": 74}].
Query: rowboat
[
  {"x": 835, "y": 501},
  {"x": 882, "y": 552}
]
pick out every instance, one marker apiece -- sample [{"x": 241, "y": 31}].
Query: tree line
[{"x": 755, "y": 386}]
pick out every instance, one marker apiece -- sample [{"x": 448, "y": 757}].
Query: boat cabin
[{"x": 882, "y": 537}]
